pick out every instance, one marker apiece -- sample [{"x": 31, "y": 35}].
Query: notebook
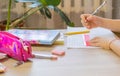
[
  {"x": 81, "y": 40},
  {"x": 43, "y": 37},
  {"x": 77, "y": 40}
]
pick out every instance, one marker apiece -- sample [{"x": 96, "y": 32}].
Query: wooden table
[{"x": 76, "y": 62}]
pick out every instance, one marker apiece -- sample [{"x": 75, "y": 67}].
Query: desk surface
[{"x": 76, "y": 62}]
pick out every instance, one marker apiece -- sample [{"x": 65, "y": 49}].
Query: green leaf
[
  {"x": 43, "y": 2},
  {"x": 50, "y": 2},
  {"x": 53, "y": 2},
  {"x": 64, "y": 17},
  {"x": 48, "y": 13},
  {"x": 42, "y": 11}
]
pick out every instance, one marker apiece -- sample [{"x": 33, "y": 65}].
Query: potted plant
[{"x": 43, "y": 6}]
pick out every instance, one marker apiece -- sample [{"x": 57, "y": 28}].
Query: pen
[
  {"x": 77, "y": 32},
  {"x": 45, "y": 56},
  {"x": 98, "y": 8}
]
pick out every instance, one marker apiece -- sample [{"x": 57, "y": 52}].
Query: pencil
[
  {"x": 77, "y": 32},
  {"x": 98, "y": 8}
]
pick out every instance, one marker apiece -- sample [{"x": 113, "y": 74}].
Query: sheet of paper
[
  {"x": 81, "y": 40},
  {"x": 77, "y": 40}
]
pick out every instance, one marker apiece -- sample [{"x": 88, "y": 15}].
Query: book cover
[{"x": 43, "y": 37}]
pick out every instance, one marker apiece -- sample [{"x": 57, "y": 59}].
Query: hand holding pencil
[
  {"x": 89, "y": 21},
  {"x": 92, "y": 21}
]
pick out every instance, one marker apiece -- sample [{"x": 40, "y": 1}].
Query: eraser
[{"x": 57, "y": 52}]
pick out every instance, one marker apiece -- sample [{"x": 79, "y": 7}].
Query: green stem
[
  {"x": 9, "y": 14},
  {"x": 31, "y": 11}
]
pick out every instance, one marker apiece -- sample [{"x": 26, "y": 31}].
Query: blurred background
[{"x": 73, "y": 9}]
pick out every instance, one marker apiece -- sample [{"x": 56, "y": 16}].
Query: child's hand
[
  {"x": 101, "y": 42},
  {"x": 91, "y": 21}
]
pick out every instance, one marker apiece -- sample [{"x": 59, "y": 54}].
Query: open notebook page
[{"x": 81, "y": 40}]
